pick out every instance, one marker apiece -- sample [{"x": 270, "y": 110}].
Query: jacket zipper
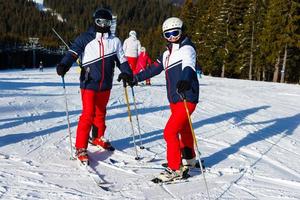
[{"x": 101, "y": 49}]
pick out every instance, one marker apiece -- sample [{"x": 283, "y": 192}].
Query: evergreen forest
[{"x": 245, "y": 39}]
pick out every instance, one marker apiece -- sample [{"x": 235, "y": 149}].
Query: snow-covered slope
[
  {"x": 248, "y": 133},
  {"x": 39, "y": 4}
]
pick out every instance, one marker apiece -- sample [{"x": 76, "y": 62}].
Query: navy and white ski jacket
[
  {"x": 99, "y": 53},
  {"x": 179, "y": 63}
]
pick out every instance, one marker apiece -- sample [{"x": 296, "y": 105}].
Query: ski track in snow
[{"x": 248, "y": 133}]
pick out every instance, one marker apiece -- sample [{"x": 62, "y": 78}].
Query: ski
[
  {"x": 146, "y": 155},
  {"x": 104, "y": 185},
  {"x": 103, "y": 157},
  {"x": 125, "y": 164},
  {"x": 159, "y": 181},
  {"x": 94, "y": 175},
  {"x": 115, "y": 167}
]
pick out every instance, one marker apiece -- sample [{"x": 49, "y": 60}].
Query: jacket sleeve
[
  {"x": 122, "y": 62},
  {"x": 125, "y": 46},
  {"x": 149, "y": 61},
  {"x": 139, "y": 47},
  {"x": 153, "y": 70},
  {"x": 188, "y": 63},
  {"x": 74, "y": 52}
]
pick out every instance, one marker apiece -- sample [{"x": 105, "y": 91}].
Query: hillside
[{"x": 244, "y": 39}]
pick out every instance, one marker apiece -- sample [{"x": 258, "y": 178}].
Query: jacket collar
[
  {"x": 102, "y": 35},
  {"x": 174, "y": 46},
  {"x": 98, "y": 35}
]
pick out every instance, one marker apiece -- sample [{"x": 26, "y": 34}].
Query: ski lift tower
[
  {"x": 113, "y": 27},
  {"x": 61, "y": 49},
  {"x": 33, "y": 42}
]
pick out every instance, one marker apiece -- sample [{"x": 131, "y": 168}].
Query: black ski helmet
[{"x": 102, "y": 20}]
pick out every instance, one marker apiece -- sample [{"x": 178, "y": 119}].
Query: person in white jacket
[{"x": 132, "y": 49}]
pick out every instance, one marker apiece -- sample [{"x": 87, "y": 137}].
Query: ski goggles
[
  {"x": 174, "y": 33},
  {"x": 103, "y": 22}
]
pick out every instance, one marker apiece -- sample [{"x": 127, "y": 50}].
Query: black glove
[
  {"x": 183, "y": 86},
  {"x": 133, "y": 82},
  {"x": 62, "y": 69},
  {"x": 125, "y": 77}
]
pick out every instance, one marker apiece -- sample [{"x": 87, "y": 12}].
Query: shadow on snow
[
  {"x": 12, "y": 122},
  {"x": 279, "y": 126},
  {"x": 11, "y": 85},
  {"x": 284, "y": 126}
]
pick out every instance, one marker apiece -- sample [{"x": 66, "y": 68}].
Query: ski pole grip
[
  {"x": 124, "y": 83},
  {"x": 183, "y": 96}
]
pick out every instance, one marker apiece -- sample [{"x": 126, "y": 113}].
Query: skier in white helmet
[
  {"x": 179, "y": 64},
  {"x": 132, "y": 49}
]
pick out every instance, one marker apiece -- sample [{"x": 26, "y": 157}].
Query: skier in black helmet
[
  {"x": 102, "y": 20},
  {"x": 99, "y": 51}
]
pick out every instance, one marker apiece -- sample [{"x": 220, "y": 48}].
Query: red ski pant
[
  {"x": 132, "y": 62},
  {"x": 93, "y": 113},
  {"x": 177, "y": 133}
]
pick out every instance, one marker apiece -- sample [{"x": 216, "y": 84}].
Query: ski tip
[
  {"x": 113, "y": 161},
  {"x": 84, "y": 163},
  {"x": 182, "y": 180},
  {"x": 137, "y": 158},
  {"x": 103, "y": 187},
  {"x": 142, "y": 147},
  {"x": 156, "y": 180},
  {"x": 111, "y": 148}
]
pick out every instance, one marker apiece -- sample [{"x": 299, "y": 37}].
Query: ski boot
[
  {"x": 82, "y": 156},
  {"x": 103, "y": 143},
  {"x": 193, "y": 163},
  {"x": 169, "y": 175}
]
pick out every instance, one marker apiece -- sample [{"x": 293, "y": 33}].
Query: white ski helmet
[
  {"x": 172, "y": 23},
  {"x": 132, "y": 33}
]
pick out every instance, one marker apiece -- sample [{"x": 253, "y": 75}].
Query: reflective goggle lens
[
  {"x": 103, "y": 22},
  {"x": 173, "y": 33}
]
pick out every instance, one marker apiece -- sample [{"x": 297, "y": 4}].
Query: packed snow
[
  {"x": 40, "y": 4},
  {"x": 248, "y": 133}
]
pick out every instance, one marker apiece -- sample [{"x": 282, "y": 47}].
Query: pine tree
[
  {"x": 249, "y": 45},
  {"x": 219, "y": 41},
  {"x": 290, "y": 36},
  {"x": 200, "y": 33},
  {"x": 272, "y": 42},
  {"x": 188, "y": 14}
]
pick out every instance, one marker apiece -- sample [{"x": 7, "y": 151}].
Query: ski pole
[
  {"x": 137, "y": 119},
  {"x": 65, "y": 94},
  {"x": 67, "y": 115},
  {"x": 78, "y": 60},
  {"x": 195, "y": 142},
  {"x": 60, "y": 38},
  {"x": 130, "y": 119}
]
